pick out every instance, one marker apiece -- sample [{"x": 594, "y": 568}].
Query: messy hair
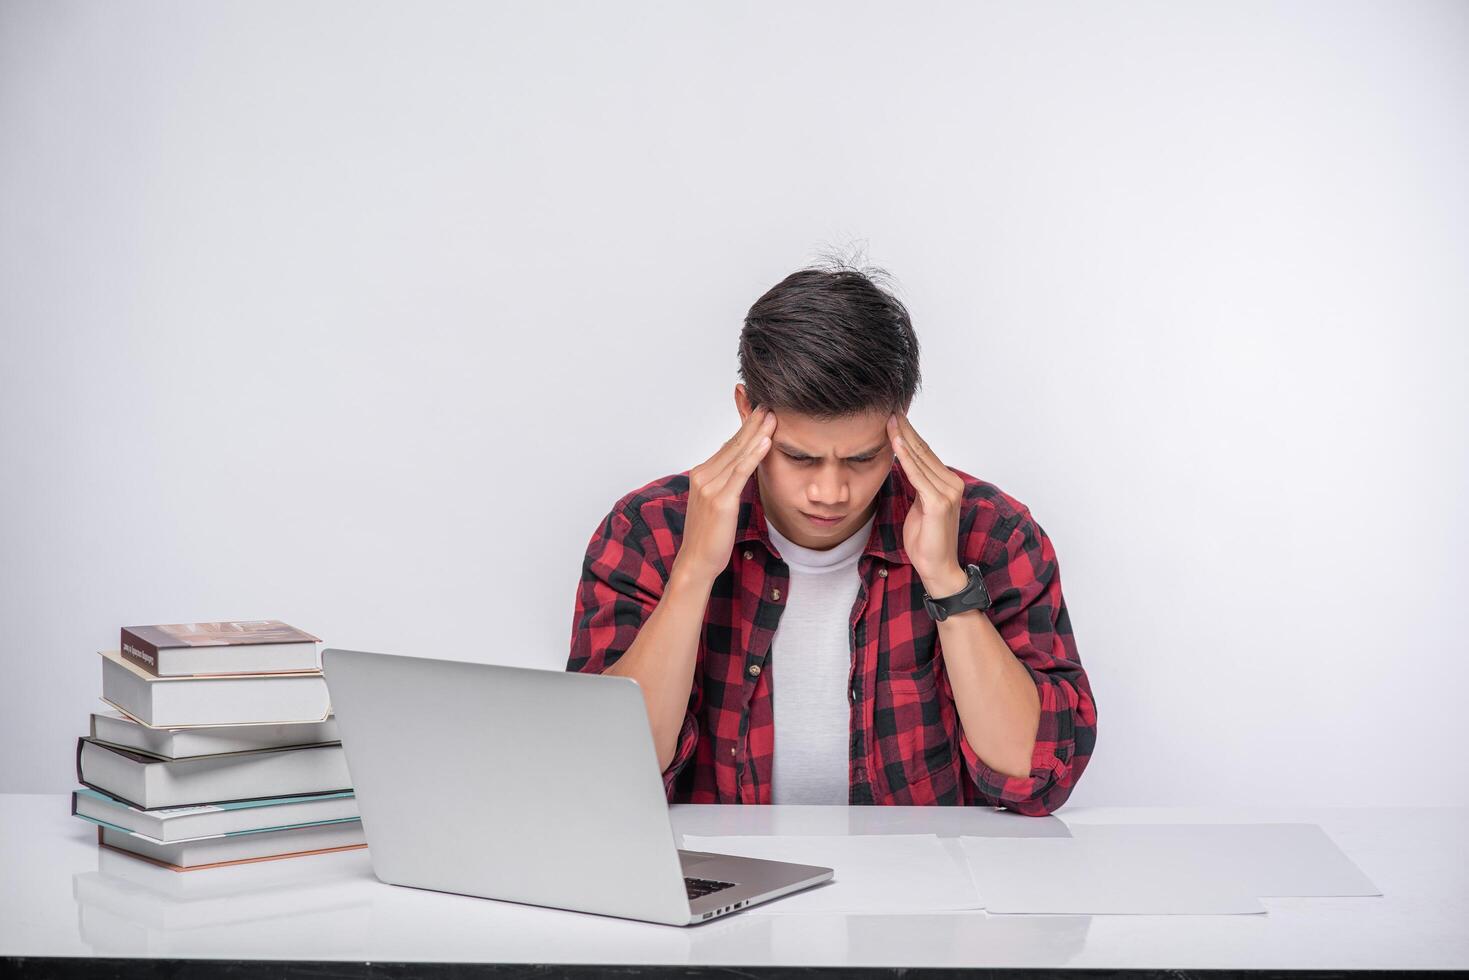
[{"x": 829, "y": 342}]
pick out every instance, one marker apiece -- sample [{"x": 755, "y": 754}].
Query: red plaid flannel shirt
[{"x": 906, "y": 745}]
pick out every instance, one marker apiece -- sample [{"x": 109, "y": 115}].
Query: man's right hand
[{"x": 715, "y": 486}]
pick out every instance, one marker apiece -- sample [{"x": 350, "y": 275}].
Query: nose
[{"x": 828, "y": 491}]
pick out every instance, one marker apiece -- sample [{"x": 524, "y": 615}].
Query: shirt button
[
  {"x": 749, "y": 555},
  {"x": 732, "y": 750},
  {"x": 883, "y": 572},
  {"x": 754, "y": 670},
  {"x": 775, "y": 594}
]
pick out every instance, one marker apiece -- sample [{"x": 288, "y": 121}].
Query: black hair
[{"x": 829, "y": 342}]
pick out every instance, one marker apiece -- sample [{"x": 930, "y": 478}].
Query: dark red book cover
[{"x": 140, "y": 644}]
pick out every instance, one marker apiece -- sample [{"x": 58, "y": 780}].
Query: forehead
[{"x": 849, "y": 436}]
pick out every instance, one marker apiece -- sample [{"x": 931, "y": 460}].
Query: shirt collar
[{"x": 886, "y": 538}]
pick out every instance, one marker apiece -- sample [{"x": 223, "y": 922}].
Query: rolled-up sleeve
[
  {"x": 1029, "y": 612},
  {"x": 622, "y": 582}
]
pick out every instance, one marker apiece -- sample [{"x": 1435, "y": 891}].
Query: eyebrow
[{"x": 793, "y": 451}]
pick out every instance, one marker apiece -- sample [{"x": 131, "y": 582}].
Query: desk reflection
[{"x": 331, "y": 906}]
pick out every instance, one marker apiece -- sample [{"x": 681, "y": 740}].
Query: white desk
[{"x": 65, "y": 897}]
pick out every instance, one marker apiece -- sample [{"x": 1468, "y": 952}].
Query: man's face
[{"x": 821, "y": 469}]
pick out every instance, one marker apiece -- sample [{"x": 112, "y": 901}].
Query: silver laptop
[{"x": 533, "y": 786}]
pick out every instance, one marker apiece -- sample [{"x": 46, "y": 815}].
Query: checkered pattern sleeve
[
  {"x": 622, "y": 581},
  {"x": 1028, "y": 611}
]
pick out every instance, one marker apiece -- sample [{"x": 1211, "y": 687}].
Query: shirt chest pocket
[
  {"x": 911, "y": 662},
  {"x": 917, "y": 756}
]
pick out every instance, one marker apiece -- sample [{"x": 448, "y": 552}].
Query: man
[{"x": 707, "y": 585}]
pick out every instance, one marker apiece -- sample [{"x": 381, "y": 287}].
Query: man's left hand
[{"x": 931, "y": 531}]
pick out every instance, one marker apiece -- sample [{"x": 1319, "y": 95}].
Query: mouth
[{"x": 823, "y": 521}]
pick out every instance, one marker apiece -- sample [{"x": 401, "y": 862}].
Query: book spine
[
  {"x": 80, "y": 742},
  {"x": 139, "y": 651}
]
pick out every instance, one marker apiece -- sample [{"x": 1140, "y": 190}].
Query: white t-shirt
[{"x": 811, "y": 657}]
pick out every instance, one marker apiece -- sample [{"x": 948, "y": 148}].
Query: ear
[{"x": 742, "y": 401}]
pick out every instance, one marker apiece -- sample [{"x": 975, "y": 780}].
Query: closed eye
[{"x": 802, "y": 460}]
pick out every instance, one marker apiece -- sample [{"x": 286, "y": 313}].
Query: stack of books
[{"x": 219, "y": 747}]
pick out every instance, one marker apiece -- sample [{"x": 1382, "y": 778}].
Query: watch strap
[{"x": 972, "y": 596}]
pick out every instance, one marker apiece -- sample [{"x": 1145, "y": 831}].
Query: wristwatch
[{"x": 972, "y": 596}]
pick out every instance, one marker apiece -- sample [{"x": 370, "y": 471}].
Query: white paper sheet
[
  {"x": 1271, "y": 859},
  {"x": 1105, "y": 874},
  {"x": 886, "y": 873}
]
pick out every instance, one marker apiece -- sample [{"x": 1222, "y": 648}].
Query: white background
[{"x": 361, "y": 316}]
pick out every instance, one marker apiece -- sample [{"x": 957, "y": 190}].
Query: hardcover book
[
  {"x": 213, "y": 699},
  {"x": 116, "y": 728},
  {"x": 217, "y": 852},
  {"x": 149, "y": 783},
  {"x": 170, "y": 825},
  {"x": 241, "y": 647}
]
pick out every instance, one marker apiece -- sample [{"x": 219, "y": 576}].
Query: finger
[
  {"x": 737, "y": 474},
  {"x": 940, "y": 474},
  {"x": 923, "y": 474},
  {"x": 748, "y": 432},
  {"x": 764, "y": 428},
  {"x": 918, "y": 474}
]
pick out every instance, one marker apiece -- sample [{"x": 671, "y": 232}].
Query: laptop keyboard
[{"x": 704, "y": 886}]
